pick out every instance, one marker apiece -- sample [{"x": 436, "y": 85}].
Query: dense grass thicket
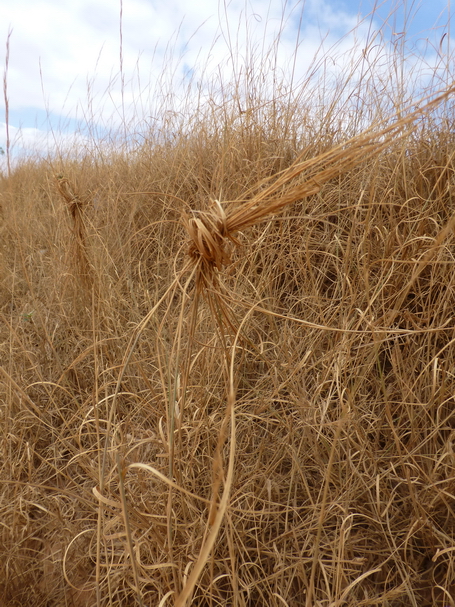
[{"x": 268, "y": 420}]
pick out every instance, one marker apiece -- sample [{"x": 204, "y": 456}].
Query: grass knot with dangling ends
[{"x": 208, "y": 232}]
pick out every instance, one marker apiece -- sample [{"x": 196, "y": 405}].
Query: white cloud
[
  {"x": 35, "y": 143},
  {"x": 56, "y": 47}
]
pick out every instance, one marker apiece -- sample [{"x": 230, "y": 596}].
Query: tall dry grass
[{"x": 227, "y": 371}]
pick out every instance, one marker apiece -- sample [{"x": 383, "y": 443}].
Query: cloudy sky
[{"x": 74, "y": 62}]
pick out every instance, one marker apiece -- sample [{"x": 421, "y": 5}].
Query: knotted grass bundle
[
  {"x": 211, "y": 232},
  {"x": 77, "y": 206}
]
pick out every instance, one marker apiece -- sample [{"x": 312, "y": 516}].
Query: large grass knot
[{"x": 208, "y": 231}]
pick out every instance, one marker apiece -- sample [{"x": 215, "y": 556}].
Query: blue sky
[
  {"x": 419, "y": 18},
  {"x": 64, "y": 59}
]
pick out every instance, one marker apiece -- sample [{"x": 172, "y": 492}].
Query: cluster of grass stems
[{"x": 227, "y": 368}]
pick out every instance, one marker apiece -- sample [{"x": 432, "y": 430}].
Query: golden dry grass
[{"x": 245, "y": 402}]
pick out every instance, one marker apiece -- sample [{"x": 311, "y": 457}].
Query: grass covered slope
[{"x": 272, "y": 425}]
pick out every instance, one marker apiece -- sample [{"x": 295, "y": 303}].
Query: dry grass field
[{"x": 227, "y": 357}]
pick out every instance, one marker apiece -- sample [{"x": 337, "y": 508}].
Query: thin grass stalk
[
  {"x": 173, "y": 399},
  {"x": 322, "y": 512},
  {"x": 6, "y": 99},
  {"x": 129, "y": 538},
  {"x": 216, "y": 520},
  {"x": 204, "y": 554},
  {"x": 96, "y": 400}
]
